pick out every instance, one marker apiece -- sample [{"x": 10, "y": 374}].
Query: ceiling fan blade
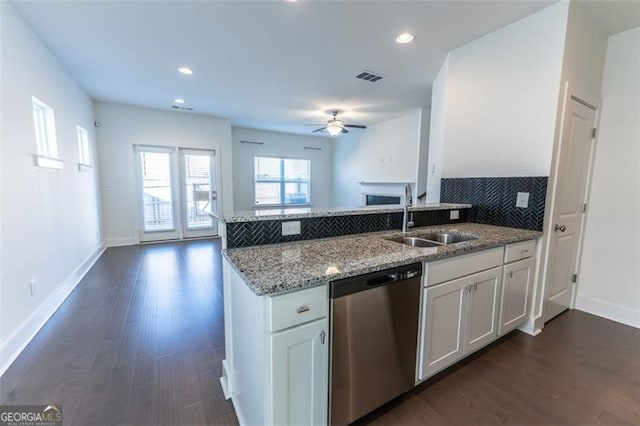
[
  {"x": 355, "y": 126},
  {"x": 319, "y": 130},
  {"x": 344, "y": 130}
]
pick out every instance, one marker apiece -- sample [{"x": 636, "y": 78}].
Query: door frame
[
  {"x": 205, "y": 232},
  {"x": 176, "y": 233},
  {"x": 570, "y": 93}
]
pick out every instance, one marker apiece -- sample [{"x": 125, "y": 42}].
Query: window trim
[
  {"x": 282, "y": 183},
  {"x": 84, "y": 162},
  {"x": 44, "y": 126}
]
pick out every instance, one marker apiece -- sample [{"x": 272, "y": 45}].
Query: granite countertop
[
  {"x": 308, "y": 212},
  {"x": 279, "y": 268}
]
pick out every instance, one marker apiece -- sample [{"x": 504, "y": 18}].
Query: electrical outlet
[
  {"x": 32, "y": 287},
  {"x": 454, "y": 214},
  {"x": 291, "y": 228},
  {"x": 522, "y": 200}
]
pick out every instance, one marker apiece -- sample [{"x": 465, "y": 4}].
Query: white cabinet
[
  {"x": 516, "y": 287},
  {"x": 276, "y": 369},
  {"x": 483, "y": 308},
  {"x": 444, "y": 309},
  {"x": 299, "y": 375},
  {"x": 460, "y": 316}
]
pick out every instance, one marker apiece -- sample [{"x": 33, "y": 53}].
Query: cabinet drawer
[
  {"x": 298, "y": 307},
  {"x": 449, "y": 269},
  {"x": 517, "y": 251}
]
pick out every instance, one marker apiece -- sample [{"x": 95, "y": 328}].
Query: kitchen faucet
[{"x": 406, "y": 222}]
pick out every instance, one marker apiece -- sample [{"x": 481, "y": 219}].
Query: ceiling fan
[{"x": 335, "y": 126}]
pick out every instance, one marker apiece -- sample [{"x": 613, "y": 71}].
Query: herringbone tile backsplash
[
  {"x": 494, "y": 199},
  {"x": 245, "y": 234}
]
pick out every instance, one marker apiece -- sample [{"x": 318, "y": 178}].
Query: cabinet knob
[
  {"x": 560, "y": 228},
  {"x": 303, "y": 308},
  {"x": 510, "y": 274},
  {"x": 322, "y": 336}
]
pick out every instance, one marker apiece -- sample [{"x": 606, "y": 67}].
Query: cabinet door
[
  {"x": 516, "y": 285},
  {"x": 443, "y": 325},
  {"x": 299, "y": 375},
  {"x": 483, "y": 309}
]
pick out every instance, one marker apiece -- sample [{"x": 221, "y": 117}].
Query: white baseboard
[
  {"x": 608, "y": 310},
  {"x": 225, "y": 380},
  {"x": 117, "y": 242},
  {"x": 21, "y": 338},
  {"x": 530, "y": 328},
  {"x": 239, "y": 414}
]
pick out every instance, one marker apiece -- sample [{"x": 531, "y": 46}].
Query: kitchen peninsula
[{"x": 277, "y": 304}]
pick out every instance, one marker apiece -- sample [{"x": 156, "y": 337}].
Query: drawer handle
[
  {"x": 303, "y": 308},
  {"x": 524, "y": 251},
  {"x": 322, "y": 336},
  {"x": 510, "y": 274}
]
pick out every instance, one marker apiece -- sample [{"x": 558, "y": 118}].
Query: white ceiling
[{"x": 271, "y": 65}]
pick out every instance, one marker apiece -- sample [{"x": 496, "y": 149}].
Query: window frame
[
  {"x": 282, "y": 181},
  {"x": 44, "y": 124},
  {"x": 84, "y": 149}
]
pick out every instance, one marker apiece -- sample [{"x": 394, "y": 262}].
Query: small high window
[
  {"x": 282, "y": 181},
  {"x": 45, "y": 129},
  {"x": 84, "y": 156}
]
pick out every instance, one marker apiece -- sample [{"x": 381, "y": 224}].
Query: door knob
[{"x": 561, "y": 228}]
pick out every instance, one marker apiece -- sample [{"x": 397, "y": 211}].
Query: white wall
[
  {"x": 122, "y": 127},
  {"x": 501, "y": 99},
  {"x": 437, "y": 124},
  {"x": 609, "y": 283},
  {"x": 280, "y": 145},
  {"x": 50, "y": 226},
  {"x": 388, "y": 150},
  {"x": 422, "y": 162},
  {"x": 347, "y": 191}
]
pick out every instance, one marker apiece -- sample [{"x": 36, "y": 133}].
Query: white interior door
[
  {"x": 157, "y": 193},
  {"x": 575, "y": 161},
  {"x": 198, "y": 192}
]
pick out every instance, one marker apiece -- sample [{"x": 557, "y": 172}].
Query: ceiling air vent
[
  {"x": 369, "y": 76},
  {"x": 181, "y": 108}
]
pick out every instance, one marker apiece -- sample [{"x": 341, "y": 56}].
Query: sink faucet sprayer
[{"x": 406, "y": 222}]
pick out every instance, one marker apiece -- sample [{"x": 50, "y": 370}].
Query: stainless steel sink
[
  {"x": 446, "y": 237},
  {"x": 415, "y": 242}
]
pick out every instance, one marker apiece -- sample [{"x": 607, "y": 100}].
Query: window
[
  {"x": 84, "y": 158},
  {"x": 281, "y": 181},
  {"x": 45, "y": 129}
]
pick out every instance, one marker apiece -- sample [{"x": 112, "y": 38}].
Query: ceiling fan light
[{"x": 334, "y": 129}]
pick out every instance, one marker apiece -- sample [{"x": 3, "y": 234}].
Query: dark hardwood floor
[{"x": 141, "y": 340}]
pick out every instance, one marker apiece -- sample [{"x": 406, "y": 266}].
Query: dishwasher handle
[
  {"x": 346, "y": 286},
  {"x": 385, "y": 279}
]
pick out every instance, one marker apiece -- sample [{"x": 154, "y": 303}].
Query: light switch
[
  {"x": 291, "y": 228},
  {"x": 522, "y": 200}
]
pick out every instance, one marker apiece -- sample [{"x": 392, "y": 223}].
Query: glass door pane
[
  {"x": 197, "y": 178},
  {"x": 199, "y": 193},
  {"x": 157, "y": 195}
]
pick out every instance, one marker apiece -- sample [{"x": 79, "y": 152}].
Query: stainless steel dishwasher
[{"x": 374, "y": 334}]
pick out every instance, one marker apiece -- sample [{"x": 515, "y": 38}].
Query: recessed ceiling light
[
  {"x": 185, "y": 70},
  {"x": 178, "y": 101},
  {"x": 404, "y": 38}
]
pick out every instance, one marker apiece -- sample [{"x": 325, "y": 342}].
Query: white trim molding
[
  {"x": 27, "y": 331},
  {"x": 618, "y": 313}
]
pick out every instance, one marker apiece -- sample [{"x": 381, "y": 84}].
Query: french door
[
  {"x": 177, "y": 190},
  {"x": 199, "y": 192}
]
